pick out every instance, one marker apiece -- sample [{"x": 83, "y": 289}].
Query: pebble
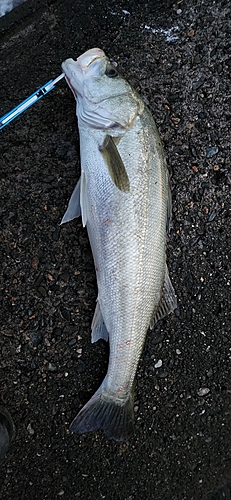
[
  {"x": 65, "y": 314},
  {"x": 51, "y": 367},
  {"x": 81, "y": 367},
  {"x": 193, "y": 151},
  {"x": 30, "y": 429},
  {"x": 159, "y": 363},
  {"x": 57, "y": 332},
  {"x": 198, "y": 83},
  {"x": 212, "y": 215},
  {"x": 42, "y": 291},
  {"x": 205, "y": 184},
  {"x": 56, "y": 234},
  {"x": 36, "y": 338},
  {"x": 70, "y": 454},
  {"x": 39, "y": 280},
  {"x": 203, "y": 391},
  {"x": 177, "y": 311},
  {"x": 158, "y": 339},
  {"x": 211, "y": 151},
  {"x": 72, "y": 342},
  {"x": 162, "y": 374},
  {"x": 173, "y": 97},
  {"x": 35, "y": 263},
  {"x": 64, "y": 276}
]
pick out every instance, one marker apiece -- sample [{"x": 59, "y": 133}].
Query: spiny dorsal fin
[{"x": 114, "y": 164}]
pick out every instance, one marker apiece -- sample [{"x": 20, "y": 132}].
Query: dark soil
[{"x": 181, "y": 449}]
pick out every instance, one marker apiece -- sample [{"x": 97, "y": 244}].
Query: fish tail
[{"x": 114, "y": 419}]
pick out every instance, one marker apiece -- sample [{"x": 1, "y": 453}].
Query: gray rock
[{"x": 211, "y": 151}]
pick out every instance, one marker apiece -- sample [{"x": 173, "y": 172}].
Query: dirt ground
[{"x": 178, "y": 57}]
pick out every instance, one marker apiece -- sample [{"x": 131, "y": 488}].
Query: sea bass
[{"x": 123, "y": 196}]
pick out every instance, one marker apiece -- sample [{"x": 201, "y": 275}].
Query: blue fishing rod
[{"x": 8, "y": 117}]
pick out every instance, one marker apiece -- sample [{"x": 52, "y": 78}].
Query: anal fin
[
  {"x": 168, "y": 301},
  {"x": 98, "y": 328}
]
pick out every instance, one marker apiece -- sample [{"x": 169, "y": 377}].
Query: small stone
[
  {"x": 57, "y": 332},
  {"x": 56, "y": 234},
  {"x": 70, "y": 454},
  {"x": 81, "y": 367},
  {"x": 158, "y": 339},
  {"x": 30, "y": 429},
  {"x": 193, "y": 151},
  {"x": 158, "y": 364},
  {"x": 198, "y": 83},
  {"x": 35, "y": 263},
  {"x": 51, "y": 367},
  {"x": 211, "y": 151},
  {"x": 212, "y": 215},
  {"x": 36, "y": 338},
  {"x": 42, "y": 291},
  {"x": 177, "y": 311},
  {"x": 162, "y": 374},
  {"x": 45, "y": 238},
  {"x": 178, "y": 351},
  {"x": 203, "y": 391},
  {"x": 205, "y": 184},
  {"x": 72, "y": 342},
  {"x": 173, "y": 97},
  {"x": 65, "y": 314},
  {"x": 64, "y": 276},
  {"x": 175, "y": 120}
]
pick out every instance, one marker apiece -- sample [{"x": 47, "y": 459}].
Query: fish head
[{"x": 104, "y": 99}]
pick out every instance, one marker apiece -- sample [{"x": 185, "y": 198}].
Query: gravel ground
[{"x": 179, "y": 59}]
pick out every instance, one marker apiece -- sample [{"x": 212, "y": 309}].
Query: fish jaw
[{"x": 86, "y": 64}]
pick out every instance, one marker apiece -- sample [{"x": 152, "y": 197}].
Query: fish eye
[{"x": 112, "y": 73}]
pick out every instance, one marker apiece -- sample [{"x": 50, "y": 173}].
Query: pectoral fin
[
  {"x": 168, "y": 301},
  {"x": 114, "y": 164}
]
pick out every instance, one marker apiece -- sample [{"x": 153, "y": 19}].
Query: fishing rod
[{"x": 8, "y": 117}]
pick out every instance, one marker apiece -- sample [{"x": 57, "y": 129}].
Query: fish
[{"x": 124, "y": 198}]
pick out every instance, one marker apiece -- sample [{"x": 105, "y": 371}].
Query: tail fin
[{"x": 101, "y": 413}]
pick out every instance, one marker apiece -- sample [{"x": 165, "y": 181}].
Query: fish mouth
[
  {"x": 91, "y": 55},
  {"x": 84, "y": 61},
  {"x": 76, "y": 70}
]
